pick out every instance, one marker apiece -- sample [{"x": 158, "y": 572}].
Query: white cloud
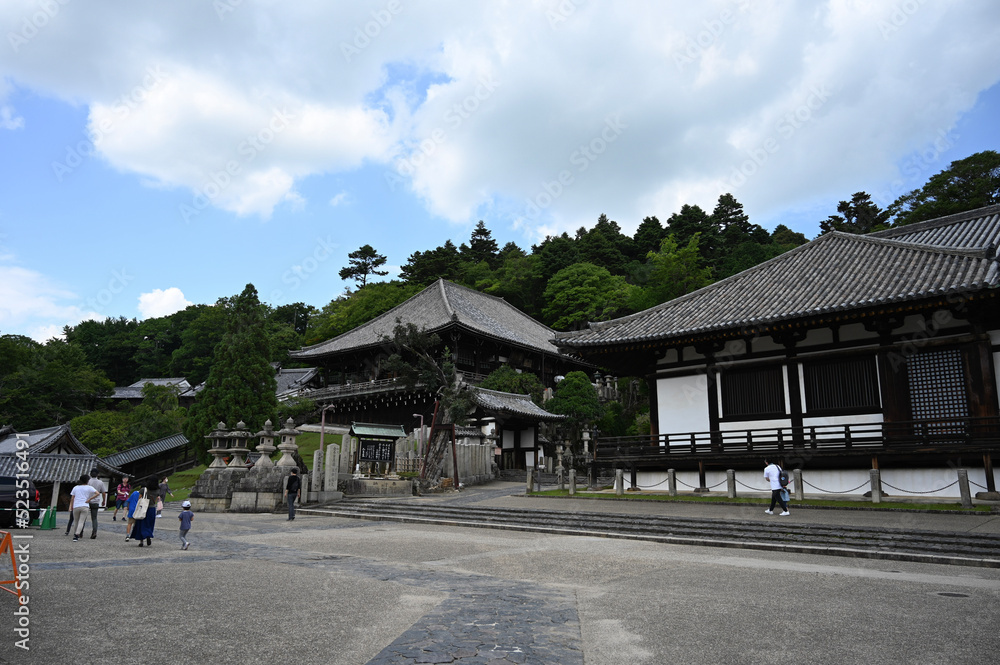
[
  {"x": 31, "y": 301},
  {"x": 338, "y": 199},
  {"x": 780, "y": 103},
  {"x": 8, "y": 119},
  {"x": 162, "y": 302}
]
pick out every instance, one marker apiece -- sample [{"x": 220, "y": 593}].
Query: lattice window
[
  {"x": 937, "y": 386},
  {"x": 846, "y": 384},
  {"x": 755, "y": 392}
]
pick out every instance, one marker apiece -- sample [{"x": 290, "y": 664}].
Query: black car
[{"x": 17, "y": 496}]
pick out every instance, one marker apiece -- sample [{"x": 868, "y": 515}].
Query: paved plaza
[{"x": 259, "y": 589}]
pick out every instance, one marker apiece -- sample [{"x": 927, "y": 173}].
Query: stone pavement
[{"x": 258, "y": 589}]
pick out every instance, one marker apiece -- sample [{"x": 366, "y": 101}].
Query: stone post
[
  {"x": 963, "y": 487},
  {"x": 572, "y": 482},
  {"x": 731, "y": 483},
  {"x": 330, "y": 472},
  {"x": 671, "y": 482},
  {"x": 287, "y": 445},
  {"x": 317, "y": 474},
  {"x": 800, "y": 489},
  {"x": 266, "y": 446},
  {"x": 876, "y": 483},
  {"x": 530, "y": 480},
  {"x": 619, "y": 482},
  {"x": 238, "y": 446},
  {"x": 219, "y": 436}
]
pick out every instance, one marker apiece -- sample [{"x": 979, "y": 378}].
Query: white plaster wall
[
  {"x": 757, "y": 424},
  {"x": 508, "y": 439},
  {"x": 848, "y": 483},
  {"x": 528, "y": 438},
  {"x": 682, "y": 404}
]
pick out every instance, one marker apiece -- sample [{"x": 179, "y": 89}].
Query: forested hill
[{"x": 595, "y": 274}]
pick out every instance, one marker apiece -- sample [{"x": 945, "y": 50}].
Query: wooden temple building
[
  {"x": 482, "y": 332},
  {"x": 848, "y": 353}
]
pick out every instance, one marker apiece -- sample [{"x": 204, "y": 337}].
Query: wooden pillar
[
  {"x": 654, "y": 411},
  {"x": 633, "y": 478},
  {"x": 702, "y": 485},
  {"x": 991, "y": 485}
]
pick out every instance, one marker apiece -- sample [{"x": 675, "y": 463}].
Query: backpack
[{"x": 782, "y": 477}]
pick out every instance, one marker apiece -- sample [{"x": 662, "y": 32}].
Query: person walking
[
  {"x": 185, "y": 517},
  {"x": 772, "y": 474},
  {"x": 98, "y": 501},
  {"x": 121, "y": 497},
  {"x": 163, "y": 490},
  {"x": 143, "y": 529},
  {"x": 133, "y": 501},
  {"x": 293, "y": 489},
  {"x": 79, "y": 504}
]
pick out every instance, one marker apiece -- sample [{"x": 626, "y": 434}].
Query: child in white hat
[{"x": 185, "y": 517}]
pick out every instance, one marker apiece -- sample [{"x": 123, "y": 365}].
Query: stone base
[
  {"x": 203, "y": 505},
  {"x": 327, "y": 497},
  {"x": 988, "y": 496},
  {"x": 256, "y": 502},
  {"x": 374, "y": 487}
]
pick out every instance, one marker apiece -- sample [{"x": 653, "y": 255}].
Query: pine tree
[
  {"x": 362, "y": 262},
  {"x": 241, "y": 383}
]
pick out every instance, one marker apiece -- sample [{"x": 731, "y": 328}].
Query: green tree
[
  {"x": 424, "y": 268},
  {"x": 481, "y": 247},
  {"x": 103, "y": 432},
  {"x": 733, "y": 226},
  {"x": 240, "y": 385},
  {"x": 859, "y": 215},
  {"x": 648, "y": 236},
  {"x": 576, "y": 398},
  {"x": 508, "y": 380},
  {"x": 351, "y": 310},
  {"x": 363, "y": 262},
  {"x": 693, "y": 220},
  {"x": 45, "y": 385},
  {"x": 109, "y": 345},
  {"x": 193, "y": 358},
  {"x": 417, "y": 358},
  {"x": 675, "y": 270},
  {"x": 787, "y": 238},
  {"x": 584, "y": 292},
  {"x": 520, "y": 280},
  {"x": 967, "y": 184}
]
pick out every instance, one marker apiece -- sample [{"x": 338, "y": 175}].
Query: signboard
[{"x": 377, "y": 451}]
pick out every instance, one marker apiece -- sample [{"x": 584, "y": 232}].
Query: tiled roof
[
  {"x": 41, "y": 441},
  {"x": 134, "y": 391},
  {"x": 836, "y": 272},
  {"x": 48, "y": 468},
  {"x": 374, "y": 430},
  {"x": 973, "y": 229},
  {"x": 512, "y": 404},
  {"x": 438, "y": 306},
  {"x": 147, "y": 450},
  {"x": 292, "y": 380}
]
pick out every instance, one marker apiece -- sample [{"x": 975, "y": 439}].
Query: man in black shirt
[{"x": 293, "y": 488}]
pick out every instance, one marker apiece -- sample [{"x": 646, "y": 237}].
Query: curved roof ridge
[{"x": 444, "y": 298}]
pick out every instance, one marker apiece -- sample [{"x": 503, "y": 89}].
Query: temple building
[{"x": 848, "y": 353}]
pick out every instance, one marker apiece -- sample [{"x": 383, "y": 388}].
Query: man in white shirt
[
  {"x": 772, "y": 474},
  {"x": 99, "y": 499}
]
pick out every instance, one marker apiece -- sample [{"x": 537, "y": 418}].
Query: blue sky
[{"x": 155, "y": 156}]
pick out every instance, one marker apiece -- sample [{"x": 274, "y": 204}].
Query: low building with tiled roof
[
  {"x": 846, "y": 352},
  {"x": 55, "y": 460}
]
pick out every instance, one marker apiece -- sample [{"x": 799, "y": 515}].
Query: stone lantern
[
  {"x": 288, "y": 445},
  {"x": 266, "y": 446},
  {"x": 238, "y": 446},
  {"x": 220, "y": 441}
]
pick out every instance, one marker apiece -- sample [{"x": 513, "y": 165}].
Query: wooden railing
[
  {"x": 376, "y": 386},
  {"x": 945, "y": 435}
]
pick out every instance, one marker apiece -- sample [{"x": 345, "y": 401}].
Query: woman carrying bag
[{"x": 145, "y": 519}]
